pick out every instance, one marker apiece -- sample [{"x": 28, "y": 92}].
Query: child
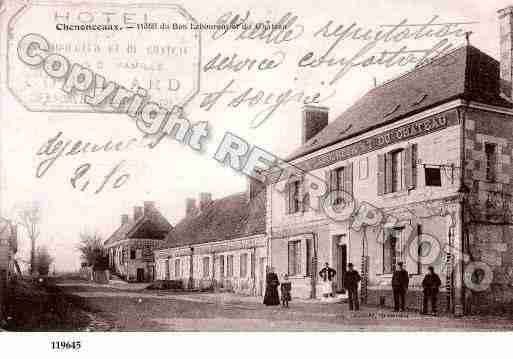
[{"x": 285, "y": 288}]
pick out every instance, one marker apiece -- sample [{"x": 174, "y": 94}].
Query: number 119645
[{"x": 63, "y": 345}]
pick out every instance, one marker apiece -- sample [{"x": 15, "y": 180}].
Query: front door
[
  {"x": 140, "y": 274},
  {"x": 341, "y": 267}
]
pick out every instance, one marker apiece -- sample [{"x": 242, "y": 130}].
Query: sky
[{"x": 172, "y": 172}]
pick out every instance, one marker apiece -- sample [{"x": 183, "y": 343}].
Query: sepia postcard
[{"x": 255, "y": 166}]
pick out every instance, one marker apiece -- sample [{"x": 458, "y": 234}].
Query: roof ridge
[{"x": 418, "y": 67}]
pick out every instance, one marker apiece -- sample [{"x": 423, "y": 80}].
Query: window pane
[
  {"x": 294, "y": 258},
  {"x": 390, "y": 249},
  {"x": 397, "y": 171},
  {"x": 206, "y": 267},
  {"x": 433, "y": 177}
]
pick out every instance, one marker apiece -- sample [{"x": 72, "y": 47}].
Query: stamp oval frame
[{"x": 83, "y": 107}]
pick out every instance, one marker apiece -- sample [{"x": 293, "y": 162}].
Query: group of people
[
  {"x": 400, "y": 281},
  {"x": 272, "y": 283}
]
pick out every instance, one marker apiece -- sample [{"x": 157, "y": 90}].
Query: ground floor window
[
  {"x": 243, "y": 265},
  {"x": 221, "y": 266},
  {"x": 206, "y": 267},
  {"x": 390, "y": 249},
  {"x": 229, "y": 266},
  {"x": 294, "y": 257},
  {"x": 178, "y": 273}
]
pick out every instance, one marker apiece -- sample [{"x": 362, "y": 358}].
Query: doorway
[
  {"x": 140, "y": 274},
  {"x": 341, "y": 267}
]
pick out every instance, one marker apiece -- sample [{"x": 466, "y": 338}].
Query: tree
[
  {"x": 29, "y": 217},
  {"x": 43, "y": 260},
  {"x": 90, "y": 247}
]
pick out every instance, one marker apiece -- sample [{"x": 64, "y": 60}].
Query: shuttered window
[
  {"x": 293, "y": 197},
  {"x": 243, "y": 265},
  {"x": 341, "y": 179},
  {"x": 294, "y": 257},
  {"x": 178, "y": 272},
  {"x": 221, "y": 266},
  {"x": 390, "y": 246},
  {"x": 206, "y": 267},
  {"x": 397, "y": 170},
  {"x": 229, "y": 266}
]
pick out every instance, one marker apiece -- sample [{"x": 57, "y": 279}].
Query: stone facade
[
  {"x": 130, "y": 248},
  {"x": 431, "y": 210}
]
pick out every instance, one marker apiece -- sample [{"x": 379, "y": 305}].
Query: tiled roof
[
  {"x": 465, "y": 73},
  {"x": 153, "y": 225},
  {"x": 225, "y": 218}
]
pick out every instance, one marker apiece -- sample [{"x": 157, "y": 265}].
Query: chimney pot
[
  {"x": 149, "y": 207},
  {"x": 315, "y": 118},
  {"x": 205, "y": 199},
  {"x": 255, "y": 186},
  {"x": 138, "y": 212},
  {"x": 190, "y": 207},
  {"x": 124, "y": 218}
]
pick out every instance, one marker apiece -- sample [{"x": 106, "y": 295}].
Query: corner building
[{"x": 430, "y": 154}]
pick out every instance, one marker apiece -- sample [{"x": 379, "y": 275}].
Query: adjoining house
[
  {"x": 427, "y": 159},
  {"x": 130, "y": 247},
  {"x": 220, "y": 244}
]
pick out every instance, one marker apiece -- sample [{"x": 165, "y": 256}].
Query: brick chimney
[
  {"x": 254, "y": 187},
  {"x": 315, "y": 118},
  {"x": 204, "y": 200},
  {"x": 149, "y": 207},
  {"x": 124, "y": 218},
  {"x": 506, "y": 50},
  {"x": 190, "y": 207},
  {"x": 138, "y": 212}
]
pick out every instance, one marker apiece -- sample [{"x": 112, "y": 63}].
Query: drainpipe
[{"x": 459, "y": 305}]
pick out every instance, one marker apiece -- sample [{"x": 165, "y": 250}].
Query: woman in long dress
[{"x": 271, "y": 288}]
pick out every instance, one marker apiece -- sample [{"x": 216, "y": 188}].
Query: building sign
[{"x": 402, "y": 133}]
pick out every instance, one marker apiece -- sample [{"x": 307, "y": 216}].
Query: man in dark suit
[
  {"x": 351, "y": 280},
  {"x": 431, "y": 285},
  {"x": 400, "y": 282}
]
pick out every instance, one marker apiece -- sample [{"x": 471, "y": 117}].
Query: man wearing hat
[
  {"x": 351, "y": 280},
  {"x": 400, "y": 281}
]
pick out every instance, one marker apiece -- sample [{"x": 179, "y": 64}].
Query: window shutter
[
  {"x": 291, "y": 258},
  {"x": 348, "y": 178},
  {"x": 407, "y": 168},
  {"x": 410, "y": 166},
  {"x": 333, "y": 184},
  {"x": 388, "y": 172},
  {"x": 379, "y": 261},
  {"x": 301, "y": 195},
  {"x": 327, "y": 178},
  {"x": 381, "y": 174},
  {"x": 414, "y": 165}
]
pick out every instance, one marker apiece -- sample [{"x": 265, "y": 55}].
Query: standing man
[
  {"x": 351, "y": 284},
  {"x": 327, "y": 274},
  {"x": 400, "y": 282},
  {"x": 431, "y": 285}
]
